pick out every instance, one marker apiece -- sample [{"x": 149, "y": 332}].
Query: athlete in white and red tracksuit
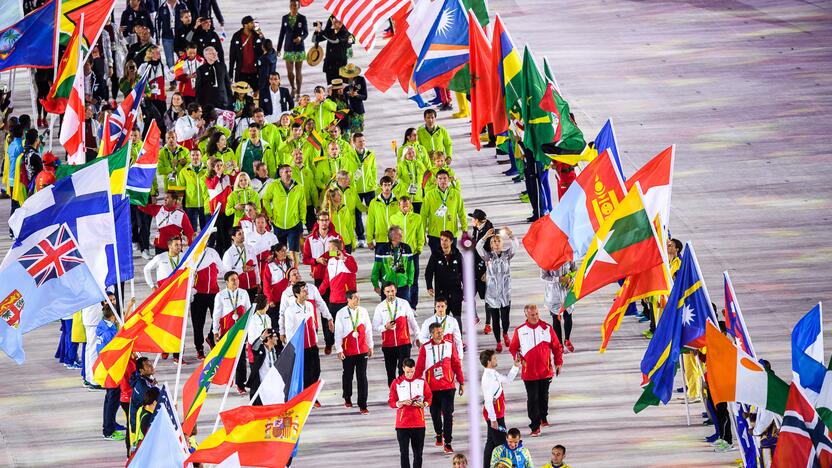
[
  {"x": 274, "y": 276},
  {"x": 394, "y": 319},
  {"x": 354, "y": 345},
  {"x": 316, "y": 245},
  {"x": 535, "y": 342},
  {"x": 410, "y": 395},
  {"x": 240, "y": 258},
  {"x": 171, "y": 221},
  {"x": 494, "y": 401},
  {"x": 206, "y": 286},
  {"x": 441, "y": 367},
  {"x": 339, "y": 277},
  {"x": 450, "y": 327},
  {"x": 292, "y": 317},
  {"x": 229, "y": 305}
]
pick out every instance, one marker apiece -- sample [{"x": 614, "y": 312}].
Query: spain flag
[
  {"x": 155, "y": 327},
  {"x": 261, "y": 435}
]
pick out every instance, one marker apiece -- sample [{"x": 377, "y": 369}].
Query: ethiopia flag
[
  {"x": 215, "y": 368},
  {"x": 734, "y": 375},
  {"x": 625, "y": 244},
  {"x": 260, "y": 435}
]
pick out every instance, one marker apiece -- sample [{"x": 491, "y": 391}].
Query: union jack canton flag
[{"x": 52, "y": 257}]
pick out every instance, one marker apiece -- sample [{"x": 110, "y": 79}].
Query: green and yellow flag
[{"x": 117, "y": 163}]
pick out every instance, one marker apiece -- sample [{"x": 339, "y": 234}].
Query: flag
[
  {"x": 363, "y": 17},
  {"x": 508, "y": 65},
  {"x": 807, "y": 353},
  {"x": 824, "y": 401},
  {"x": 217, "y": 368},
  {"x": 445, "y": 50},
  {"x": 625, "y": 244},
  {"x": 803, "y": 440},
  {"x": 261, "y": 435},
  {"x": 117, "y": 126},
  {"x": 30, "y": 42},
  {"x": 567, "y": 231},
  {"x": 734, "y": 322},
  {"x": 656, "y": 179},
  {"x": 179, "y": 69},
  {"x": 567, "y": 133},
  {"x": 197, "y": 248},
  {"x": 71, "y": 64},
  {"x": 315, "y": 139},
  {"x": 734, "y": 375},
  {"x": 72, "y": 135},
  {"x": 96, "y": 14},
  {"x": 161, "y": 447},
  {"x": 82, "y": 202},
  {"x": 483, "y": 85},
  {"x": 217, "y": 193},
  {"x": 461, "y": 81},
  {"x": 537, "y": 121},
  {"x": 285, "y": 379},
  {"x": 142, "y": 173},
  {"x": 116, "y": 166},
  {"x": 687, "y": 308},
  {"x": 154, "y": 327},
  {"x": 42, "y": 280},
  {"x": 396, "y": 60}
]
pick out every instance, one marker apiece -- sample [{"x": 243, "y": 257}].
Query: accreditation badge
[
  {"x": 438, "y": 373},
  {"x": 441, "y": 211}
]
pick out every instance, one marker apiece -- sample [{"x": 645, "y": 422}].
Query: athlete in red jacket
[{"x": 410, "y": 395}]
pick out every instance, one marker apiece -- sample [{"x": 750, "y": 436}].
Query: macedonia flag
[
  {"x": 215, "y": 368},
  {"x": 155, "y": 327},
  {"x": 261, "y": 435}
]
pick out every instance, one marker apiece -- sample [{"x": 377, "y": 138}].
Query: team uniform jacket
[
  {"x": 235, "y": 257},
  {"x": 260, "y": 244},
  {"x": 494, "y": 399},
  {"x": 403, "y": 389},
  {"x": 536, "y": 344},
  {"x": 440, "y": 365},
  {"x": 164, "y": 265},
  {"x": 339, "y": 277},
  {"x": 292, "y": 317},
  {"x": 208, "y": 272},
  {"x": 450, "y": 326},
  {"x": 315, "y": 246},
  {"x": 171, "y": 223},
  {"x": 353, "y": 331},
  {"x": 275, "y": 280},
  {"x": 398, "y": 311},
  {"x": 288, "y": 297},
  {"x": 228, "y": 307}
]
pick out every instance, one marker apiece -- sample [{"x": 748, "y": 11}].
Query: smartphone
[{"x": 333, "y": 253}]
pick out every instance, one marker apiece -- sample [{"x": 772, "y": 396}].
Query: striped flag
[
  {"x": 315, "y": 139},
  {"x": 155, "y": 327},
  {"x": 142, "y": 173},
  {"x": 218, "y": 191},
  {"x": 72, "y": 127},
  {"x": 803, "y": 439},
  {"x": 363, "y": 17},
  {"x": 215, "y": 368},
  {"x": 56, "y": 98},
  {"x": 194, "y": 254},
  {"x": 118, "y": 124}
]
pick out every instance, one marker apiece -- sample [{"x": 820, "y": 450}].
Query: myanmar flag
[
  {"x": 215, "y": 368},
  {"x": 155, "y": 327},
  {"x": 625, "y": 244},
  {"x": 261, "y": 435},
  {"x": 734, "y": 375},
  {"x": 55, "y": 101}
]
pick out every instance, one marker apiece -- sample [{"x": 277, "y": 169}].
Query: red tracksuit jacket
[
  {"x": 536, "y": 344},
  {"x": 440, "y": 364},
  {"x": 403, "y": 389}
]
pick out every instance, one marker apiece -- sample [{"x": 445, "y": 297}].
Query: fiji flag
[
  {"x": 446, "y": 48},
  {"x": 807, "y": 353},
  {"x": 44, "y": 279},
  {"x": 142, "y": 173}
]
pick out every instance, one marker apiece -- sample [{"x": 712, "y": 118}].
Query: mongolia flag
[
  {"x": 508, "y": 64},
  {"x": 446, "y": 48},
  {"x": 735, "y": 376},
  {"x": 155, "y": 327},
  {"x": 261, "y": 435},
  {"x": 70, "y": 65},
  {"x": 803, "y": 439},
  {"x": 142, "y": 173},
  {"x": 217, "y": 368},
  {"x": 117, "y": 125},
  {"x": 30, "y": 42},
  {"x": 807, "y": 353},
  {"x": 567, "y": 232}
]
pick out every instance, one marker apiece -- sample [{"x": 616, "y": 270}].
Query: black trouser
[
  {"x": 434, "y": 245},
  {"x": 413, "y": 294},
  {"x": 221, "y": 240},
  {"x": 532, "y": 184},
  {"x": 111, "y": 400},
  {"x": 196, "y": 216},
  {"x": 499, "y": 316},
  {"x": 251, "y": 391},
  {"x": 493, "y": 438},
  {"x": 334, "y": 307},
  {"x": 199, "y": 310},
  {"x": 311, "y": 218},
  {"x": 650, "y": 313},
  {"x": 311, "y": 366},
  {"x": 565, "y": 323},
  {"x": 442, "y": 413},
  {"x": 723, "y": 421},
  {"x": 274, "y": 315},
  {"x": 242, "y": 363},
  {"x": 16, "y": 205},
  {"x": 411, "y": 437},
  {"x": 125, "y": 406},
  {"x": 537, "y": 401},
  {"x": 356, "y": 364},
  {"x": 365, "y": 198},
  {"x": 394, "y": 357},
  {"x": 141, "y": 227}
]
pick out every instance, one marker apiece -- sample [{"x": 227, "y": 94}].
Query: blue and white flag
[
  {"x": 807, "y": 353},
  {"x": 29, "y": 42},
  {"x": 44, "y": 279},
  {"x": 161, "y": 447},
  {"x": 285, "y": 380},
  {"x": 82, "y": 202},
  {"x": 446, "y": 47},
  {"x": 605, "y": 140}
]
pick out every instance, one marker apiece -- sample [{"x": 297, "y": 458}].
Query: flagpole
[
  {"x": 115, "y": 232},
  {"x": 685, "y": 389},
  {"x": 57, "y": 43},
  {"x": 184, "y": 330},
  {"x": 473, "y": 394},
  {"x": 711, "y": 312},
  {"x": 33, "y": 93},
  {"x": 236, "y": 361}
]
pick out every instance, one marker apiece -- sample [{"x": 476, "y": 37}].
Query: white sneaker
[
  {"x": 146, "y": 255},
  {"x": 361, "y": 244}
]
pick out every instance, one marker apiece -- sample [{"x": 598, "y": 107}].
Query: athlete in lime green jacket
[
  {"x": 284, "y": 201},
  {"x": 242, "y": 194},
  {"x": 443, "y": 209},
  {"x": 192, "y": 177},
  {"x": 434, "y": 137},
  {"x": 383, "y": 206},
  {"x": 365, "y": 160}
]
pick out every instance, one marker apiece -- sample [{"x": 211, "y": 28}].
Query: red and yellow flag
[
  {"x": 55, "y": 100},
  {"x": 261, "y": 435},
  {"x": 155, "y": 327}
]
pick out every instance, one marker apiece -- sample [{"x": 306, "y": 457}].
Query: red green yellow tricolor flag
[
  {"x": 55, "y": 101},
  {"x": 215, "y": 368},
  {"x": 625, "y": 244},
  {"x": 155, "y": 327},
  {"x": 261, "y": 435},
  {"x": 733, "y": 375}
]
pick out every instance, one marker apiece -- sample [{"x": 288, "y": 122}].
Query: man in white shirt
[
  {"x": 288, "y": 296},
  {"x": 450, "y": 327},
  {"x": 241, "y": 259},
  {"x": 229, "y": 306},
  {"x": 260, "y": 240},
  {"x": 354, "y": 344},
  {"x": 394, "y": 319},
  {"x": 164, "y": 263},
  {"x": 189, "y": 127},
  {"x": 301, "y": 312},
  {"x": 494, "y": 400}
]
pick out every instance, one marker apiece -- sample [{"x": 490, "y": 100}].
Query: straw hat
[
  {"x": 349, "y": 70},
  {"x": 241, "y": 87},
  {"x": 315, "y": 55},
  {"x": 337, "y": 83}
]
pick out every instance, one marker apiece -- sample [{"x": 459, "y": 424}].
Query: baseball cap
[
  {"x": 247, "y": 19},
  {"x": 478, "y": 214}
]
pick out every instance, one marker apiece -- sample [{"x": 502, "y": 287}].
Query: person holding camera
[
  {"x": 410, "y": 395},
  {"x": 498, "y": 279},
  {"x": 393, "y": 264}
]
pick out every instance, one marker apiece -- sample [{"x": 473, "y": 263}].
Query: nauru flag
[{"x": 567, "y": 231}]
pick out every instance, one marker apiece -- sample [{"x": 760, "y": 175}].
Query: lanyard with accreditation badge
[
  {"x": 392, "y": 313},
  {"x": 354, "y": 322}
]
